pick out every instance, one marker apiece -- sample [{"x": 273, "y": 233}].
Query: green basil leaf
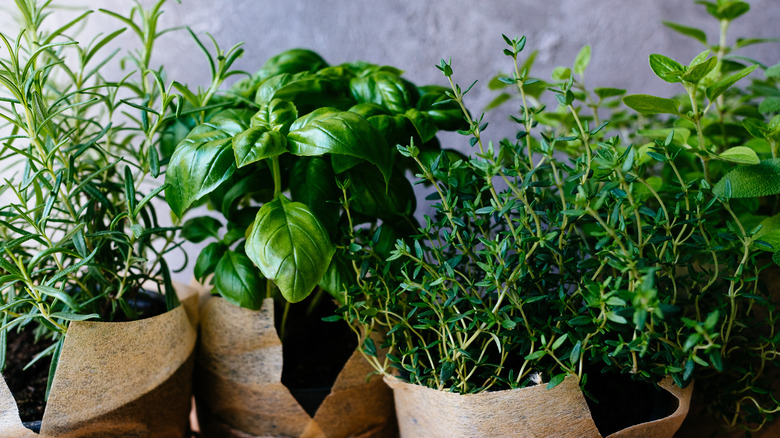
[
  {"x": 290, "y": 246},
  {"x": 342, "y": 163},
  {"x": 397, "y": 129},
  {"x": 174, "y": 132},
  {"x": 740, "y": 154},
  {"x": 258, "y": 182},
  {"x": 236, "y": 280},
  {"x": 385, "y": 89},
  {"x": 423, "y": 124},
  {"x": 716, "y": 89},
  {"x": 368, "y": 110},
  {"x": 207, "y": 260},
  {"x": 762, "y": 179},
  {"x": 337, "y": 278},
  {"x": 666, "y": 68},
  {"x": 258, "y": 143},
  {"x": 313, "y": 183},
  {"x": 278, "y": 115},
  {"x": 369, "y": 196},
  {"x": 305, "y": 90},
  {"x": 200, "y": 163},
  {"x": 446, "y": 113},
  {"x": 295, "y": 61},
  {"x": 646, "y": 104},
  {"x": 201, "y": 228},
  {"x": 341, "y": 133}
]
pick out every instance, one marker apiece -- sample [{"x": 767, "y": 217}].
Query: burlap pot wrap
[
  {"x": 529, "y": 412},
  {"x": 239, "y": 392},
  {"x": 119, "y": 379}
]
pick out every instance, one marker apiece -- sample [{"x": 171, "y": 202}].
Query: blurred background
[{"x": 414, "y": 35}]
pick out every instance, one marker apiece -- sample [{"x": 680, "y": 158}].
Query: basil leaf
[
  {"x": 278, "y": 115},
  {"x": 445, "y": 112},
  {"x": 200, "y": 228},
  {"x": 305, "y": 90},
  {"x": 385, "y": 89},
  {"x": 423, "y": 124},
  {"x": 258, "y": 143},
  {"x": 290, "y": 246},
  {"x": 312, "y": 182},
  {"x": 294, "y": 61},
  {"x": 207, "y": 260},
  {"x": 236, "y": 280},
  {"x": 328, "y": 131},
  {"x": 369, "y": 196},
  {"x": 201, "y": 162}
]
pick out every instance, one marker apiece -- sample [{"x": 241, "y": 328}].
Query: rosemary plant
[{"x": 79, "y": 235}]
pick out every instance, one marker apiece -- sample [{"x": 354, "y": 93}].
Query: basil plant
[{"x": 279, "y": 159}]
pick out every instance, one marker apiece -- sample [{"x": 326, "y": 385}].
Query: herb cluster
[
  {"x": 287, "y": 147},
  {"x": 567, "y": 251}
]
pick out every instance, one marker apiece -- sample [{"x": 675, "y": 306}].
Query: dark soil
[
  {"x": 314, "y": 351},
  {"x": 621, "y": 401},
  {"x": 27, "y": 386}
]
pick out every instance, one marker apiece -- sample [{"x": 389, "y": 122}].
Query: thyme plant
[{"x": 565, "y": 251}]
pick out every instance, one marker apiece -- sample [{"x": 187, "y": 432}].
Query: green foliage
[
  {"x": 325, "y": 135},
  {"x": 79, "y": 235},
  {"x": 290, "y": 247},
  {"x": 564, "y": 250}
]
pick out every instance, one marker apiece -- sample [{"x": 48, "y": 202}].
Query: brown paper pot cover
[
  {"x": 119, "y": 379},
  {"x": 528, "y": 412},
  {"x": 239, "y": 390}
]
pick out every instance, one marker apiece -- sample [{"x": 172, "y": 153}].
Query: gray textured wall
[{"x": 414, "y": 34}]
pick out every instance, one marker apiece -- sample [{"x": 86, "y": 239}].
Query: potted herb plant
[
  {"x": 87, "y": 298},
  {"x": 727, "y": 136},
  {"x": 286, "y": 149},
  {"x": 537, "y": 269}
]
